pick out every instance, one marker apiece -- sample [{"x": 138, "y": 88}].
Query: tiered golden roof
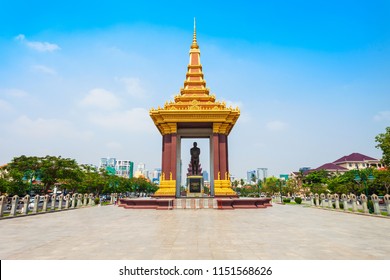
[{"x": 194, "y": 104}]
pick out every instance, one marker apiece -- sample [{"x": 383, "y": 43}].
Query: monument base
[
  {"x": 195, "y": 186},
  {"x": 167, "y": 189},
  {"x": 222, "y": 188}
]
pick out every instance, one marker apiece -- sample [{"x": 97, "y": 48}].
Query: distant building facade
[
  {"x": 107, "y": 162},
  {"x": 250, "y": 175},
  {"x": 205, "y": 175},
  {"x": 122, "y": 168},
  {"x": 141, "y": 171},
  {"x": 156, "y": 175},
  {"x": 358, "y": 161},
  {"x": 353, "y": 161}
]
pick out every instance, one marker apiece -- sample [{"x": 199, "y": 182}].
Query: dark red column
[
  {"x": 216, "y": 155},
  {"x": 166, "y": 155},
  {"x": 168, "y": 165},
  {"x": 227, "y": 155},
  {"x": 222, "y": 156},
  {"x": 173, "y": 156}
]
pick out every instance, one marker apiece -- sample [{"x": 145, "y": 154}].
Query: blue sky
[{"x": 312, "y": 78}]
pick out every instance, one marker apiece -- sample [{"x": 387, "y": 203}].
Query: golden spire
[
  {"x": 194, "y": 42},
  {"x": 195, "y": 104}
]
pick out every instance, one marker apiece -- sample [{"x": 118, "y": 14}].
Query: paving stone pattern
[{"x": 281, "y": 232}]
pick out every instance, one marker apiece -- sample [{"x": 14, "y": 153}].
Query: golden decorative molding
[
  {"x": 223, "y": 188},
  {"x": 194, "y": 103}
]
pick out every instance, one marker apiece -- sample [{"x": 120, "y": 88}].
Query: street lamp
[
  {"x": 30, "y": 175},
  {"x": 259, "y": 186},
  {"x": 280, "y": 185},
  {"x": 281, "y": 181},
  {"x": 363, "y": 178}
]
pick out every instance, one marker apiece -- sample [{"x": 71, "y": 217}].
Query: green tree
[
  {"x": 11, "y": 187},
  {"x": 383, "y": 140},
  {"x": 3, "y": 185},
  {"x": 317, "y": 181},
  {"x": 235, "y": 185},
  {"x": 381, "y": 184},
  {"x": 253, "y": 178},
  {"x": 291, "y": 187},
  {"x": 346, "y": 183},
  {"x": 339, "y": 184},
  {"x": 20, "y": 173},
  {"x": 50, "y": 170},
  {"x": 271, "y": 185},
  {"x": 58, "y": 170}
]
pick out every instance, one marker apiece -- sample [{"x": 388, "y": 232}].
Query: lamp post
[
  {"x": 280, "y": 186},
  {"x": 30, "y": 175},
  {"x": 259, "y": 186},
  {"x": 364, "y": 178}
]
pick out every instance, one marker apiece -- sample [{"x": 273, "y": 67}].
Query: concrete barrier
[{"x": 21, "y": 206}]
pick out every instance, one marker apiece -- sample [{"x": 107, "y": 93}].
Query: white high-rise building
[
  {"x": 122, "y": 168},
  {"x": 141, "y": 171},
  {"x": 156, "y": 175}
]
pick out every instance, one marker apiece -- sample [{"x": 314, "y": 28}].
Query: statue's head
[{"x": 195, "y": 144}]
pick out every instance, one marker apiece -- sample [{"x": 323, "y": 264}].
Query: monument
[
  {"x": 195, "y": 113},
  {"x": 194, "y": 176},
  {"x": 195, "y": 165}
]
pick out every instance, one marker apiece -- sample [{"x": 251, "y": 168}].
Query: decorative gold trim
[
  {"x": 167, "y": 187},
  {"x": 194, "y": 103},
  {"x": 223, "y": 188}
]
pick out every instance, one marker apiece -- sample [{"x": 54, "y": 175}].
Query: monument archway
[
  {"x": 194, "y": 113},
  {"x": 203, "y": 139}
]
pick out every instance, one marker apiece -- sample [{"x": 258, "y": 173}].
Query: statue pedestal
[{"x": 195, "y": 186}]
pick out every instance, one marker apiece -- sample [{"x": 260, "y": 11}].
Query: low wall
[
  {"x": 195, "y": 203},
  {"x": 22, "y": 206},
  {"x": 352, "y": 203}
]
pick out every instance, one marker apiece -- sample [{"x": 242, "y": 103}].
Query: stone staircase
[{"x": 195, "y": 203}]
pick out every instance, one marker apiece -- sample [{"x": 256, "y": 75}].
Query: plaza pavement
[{"x": 281, "y": 232}]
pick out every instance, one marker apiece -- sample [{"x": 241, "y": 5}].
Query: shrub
[
  {"x": 341, "y": 205},
  {"x": 286, "y": 200},
  {"x": 97, "y": 200},
  {"x": 298, "y": 200},
  {"x": 370, "y": 206}
]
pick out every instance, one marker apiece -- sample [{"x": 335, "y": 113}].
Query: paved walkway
[{"x": 278, "y": 233}]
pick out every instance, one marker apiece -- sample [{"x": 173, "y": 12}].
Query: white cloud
[
  {"x": 41, "y": 128},
  {"x": 114, "y": 145},
  {"x": 134, "y": 120},
  {"x": 382, "y": 116},
  {"x": 233, "y": 104},
  {"x": 101, "y": 99},
  {"x": 133, "y": 86},
  {"x": 20, "y": 37},
  {"x": 36, "y": 45},
  {"x": 276, "y": 125},
  {"x": 14, "y": 92},
  {"x": 43, "y": 69},
  {"x": 5, "y": 106}
]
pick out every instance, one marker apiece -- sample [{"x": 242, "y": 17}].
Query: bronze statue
[{"x": 195, "y": 152}]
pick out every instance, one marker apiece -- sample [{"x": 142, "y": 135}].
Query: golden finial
[{"x": 194, "y": 42}]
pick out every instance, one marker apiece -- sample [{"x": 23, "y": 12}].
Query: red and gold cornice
[{"x": 194, "y": 104}]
